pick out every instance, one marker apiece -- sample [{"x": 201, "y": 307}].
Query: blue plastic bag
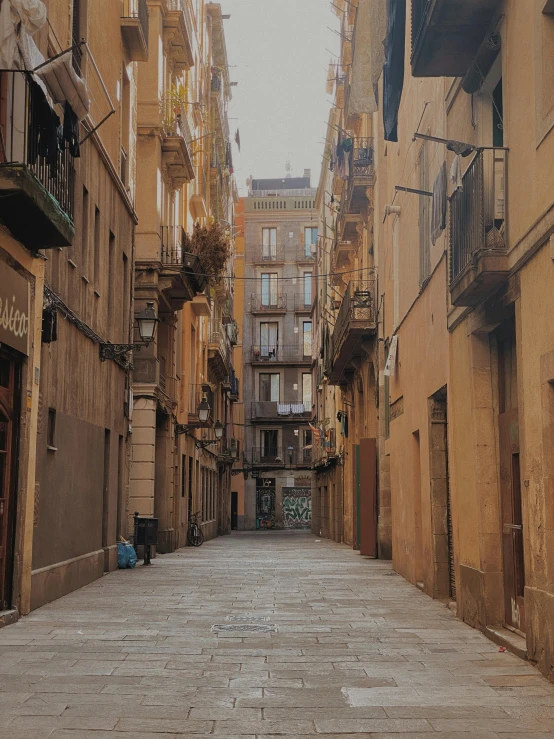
[{"x": 126, "y": 555}]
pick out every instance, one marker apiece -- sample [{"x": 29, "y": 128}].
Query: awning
[{"x": 65, "y": 84}]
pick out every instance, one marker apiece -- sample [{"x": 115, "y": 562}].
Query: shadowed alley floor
[{"x": 260, "y": 634}]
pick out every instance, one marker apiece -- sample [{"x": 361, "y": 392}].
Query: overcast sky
[{"x": 279, "y": 54}]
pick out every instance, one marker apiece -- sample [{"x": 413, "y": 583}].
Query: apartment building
[
  {"x": 280, "y": 242},
  {"x": 179, "y": 466},
  {"x": 461, "y": 238},
  {"x": 68, "y": 222},
  {"x": 346, "y": 313}
]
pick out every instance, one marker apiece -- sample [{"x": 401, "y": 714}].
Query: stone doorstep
[
  {"x": 8, "y": 617},
  {"x": 509, "y": 639}
]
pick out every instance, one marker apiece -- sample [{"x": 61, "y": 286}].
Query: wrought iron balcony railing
[
  {"x": 267, "y": 253},
  {"x": 262, "y": 409},
  {"x": 278, "y": 353},
  {"x": 281, "y": 456},
  {"x": 478, "y": 223},
  {"x": 357, "y": 310},
  {"x": 134, "y": 25},
  {"x": 271, "y": 301}
]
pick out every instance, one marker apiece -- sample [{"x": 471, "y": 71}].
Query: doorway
[
  {"x": 9, "y": 414},
  {"x": 510, "y": 479},
  {"x": 265, "y": 503},
  {"x": 234, "y": 511}
]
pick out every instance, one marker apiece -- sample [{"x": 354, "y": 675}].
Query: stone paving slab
[{"x": 357, "y": 653}]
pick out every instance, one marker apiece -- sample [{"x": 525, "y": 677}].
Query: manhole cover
[
  {"x": 251, "y": 628},
  {"x": 247, "y": 619}
]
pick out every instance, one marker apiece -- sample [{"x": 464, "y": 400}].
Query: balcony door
[
  {"x": 310, "y": 241},
  {"x": 269, "y": 244},
  {"x": 307, "y": 288},
  {"x": 269, "y": 282},
  {"x": 269, "y": 340},
  {"x": 9, "y": 372},
  {"x": 269, "y": 387},
  {"x": 510, "y": 479},
  {"x": 307, "y": 338},
  {"x": 270, "y": 441}
]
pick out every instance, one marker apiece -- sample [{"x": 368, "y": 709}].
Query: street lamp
[
  {"x": 218, "y": 430},
  {"x": 290, "y": 450},
  {"x": 203, "y": 410},
  {"x": 147, "y": 322}
]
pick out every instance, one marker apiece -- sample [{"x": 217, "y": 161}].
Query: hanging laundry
[
  {"x": 456, "y": 174},
  {"x": 71, "y": 130},
  {"x": 393, "y": 71},
  {"x": 438, "y": 215},
  {"x": 459, "y": 147}
]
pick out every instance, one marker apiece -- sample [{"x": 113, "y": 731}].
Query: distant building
[{"x": 281, "y": 235}]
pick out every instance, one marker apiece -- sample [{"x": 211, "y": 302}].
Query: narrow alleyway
[{"x": 179, "y": 649}]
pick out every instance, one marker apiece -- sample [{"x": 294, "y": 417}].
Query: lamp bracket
[{"x": 114, "y": 351}]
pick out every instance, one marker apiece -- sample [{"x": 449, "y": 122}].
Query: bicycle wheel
[{"x": 195, "y": 537}]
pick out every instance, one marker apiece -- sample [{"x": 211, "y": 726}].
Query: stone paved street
[{"x": 178, "y": 650}]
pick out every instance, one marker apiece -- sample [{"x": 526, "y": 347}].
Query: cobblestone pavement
[{"x": 255, "y": 635}]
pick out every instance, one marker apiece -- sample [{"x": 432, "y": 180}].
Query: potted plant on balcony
[{"x": 211, "y": 246}]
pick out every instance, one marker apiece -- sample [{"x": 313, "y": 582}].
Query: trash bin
[{"x": 146, "y": 535}]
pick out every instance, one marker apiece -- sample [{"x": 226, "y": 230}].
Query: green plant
[{"x": 212, "y": 246}]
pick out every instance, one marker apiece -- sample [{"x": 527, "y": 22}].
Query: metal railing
[
  {"x": 358, "y": 304},
  {"x": 183, "y": 7},
  {"x": 303, "y": 302},
  {"x": 306, "y": 252},
  {"x": 271, "y": 301},
  {"x": 175, "y": 121},
  {"x": 26, "y": 142},
  {"x": 267, "y": 253},
  {"x": 275, "y": 410},
  {"x": 362, "y": 158},
  {"x": 277, "y": 353},
  {"x": 218, "y": 337},
  {"x": 478, "y": 211},
  {"x": 280, "y": 455},
  {"x": 173, "y": 245},
  {"x": 137, "y": 9}
]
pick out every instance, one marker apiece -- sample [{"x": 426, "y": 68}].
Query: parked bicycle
[{"x": 195, "y": 537}]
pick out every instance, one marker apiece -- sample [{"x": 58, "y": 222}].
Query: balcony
[
  {"x": 276, "y": 354},
  {"x": 273, "y": 411},
  {"x": 219, "y": 107},
  {"x": 281, "y": 457},
  {"x": 323, "y": 453},
  {"x": 36, "y": 189},
  {"x": 219, "y": 350},
  {"x": 356, "y": 321},
  {"x": 306, "y": 253},
  {"x": 268, "y": 254},
  {"x": 195, "y": 397},
  {"x": 234, "y": 392},
  {"x": 181, "y": 276},
  {"x": 447, "y": 34},
  {"x": 361, "y": 179},
  {"x": 303, "y": 303},
  {"x": 176, "y": 143},
  {"x": 134, "y": 29},
  {"x": 478, "y": 230},
  {"x": 178, "y": 34},
  {"x": 268, "y": 303}
]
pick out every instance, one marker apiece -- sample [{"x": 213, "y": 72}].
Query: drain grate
[
  {"x": 247, "y": 619},
  {"x": 244, "y": 627}
]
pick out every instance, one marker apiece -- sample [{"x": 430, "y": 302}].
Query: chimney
[{"x": 307, "y": 173}]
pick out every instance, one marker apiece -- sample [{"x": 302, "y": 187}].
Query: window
[
  {"x": 307, "y": 390},
  {"x": 269, "y": 244},
  {"x": 269, "y": 289},
  {"x": 307, "y": 288},
  {"x": 310, "y": 241},
  {"x": 270, "y": 439},
  {"x": 51, "y": 429},
  {"x": 307, "y": 338},
  {"x": 269, "y": 387},
  {"x": 269, "y": 339}
]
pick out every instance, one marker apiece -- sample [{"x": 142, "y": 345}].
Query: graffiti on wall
[{"x": 297, "y": 508}]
